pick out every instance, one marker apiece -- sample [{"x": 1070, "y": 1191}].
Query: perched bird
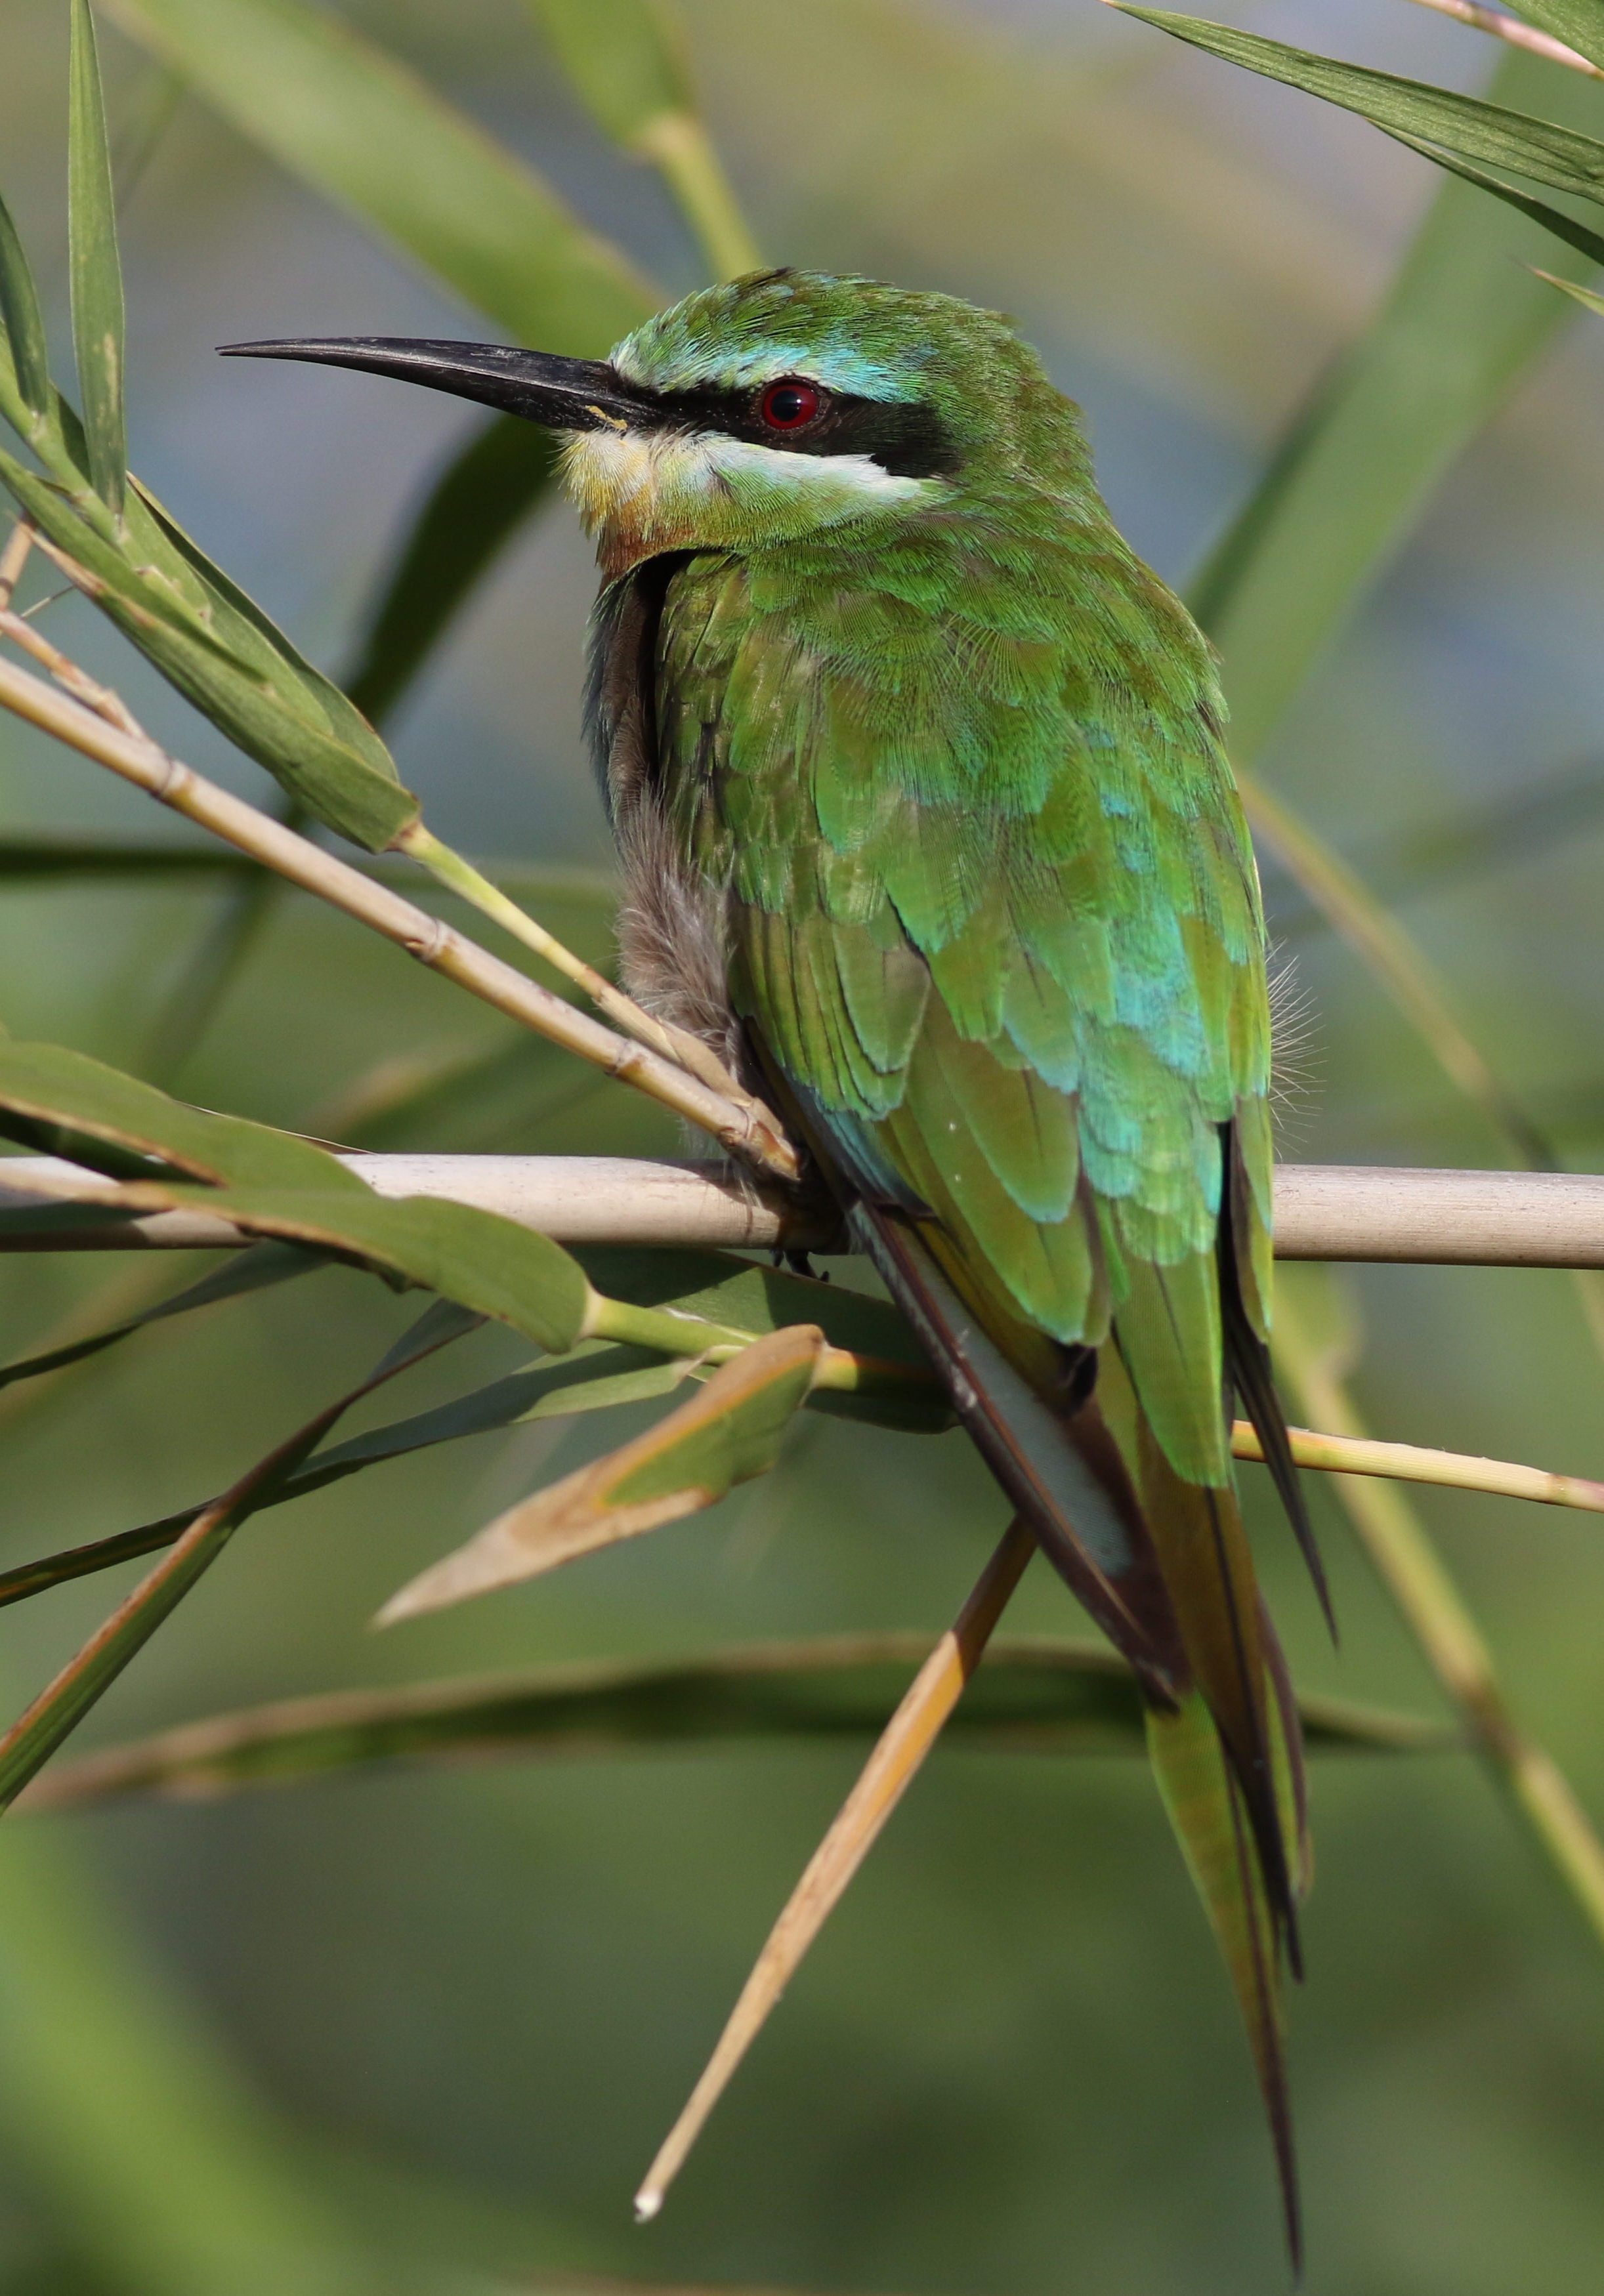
[{"x": 917, "y": 777}]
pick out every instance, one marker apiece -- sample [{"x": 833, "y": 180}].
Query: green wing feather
[{"x": 995, "y": 922}]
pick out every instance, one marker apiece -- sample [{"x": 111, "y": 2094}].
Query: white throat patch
[{"x": 703, "y": 486}]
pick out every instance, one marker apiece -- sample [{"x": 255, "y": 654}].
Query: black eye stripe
[{"x": 908, "y": 441}]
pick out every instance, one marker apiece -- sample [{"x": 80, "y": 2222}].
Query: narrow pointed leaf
[
  {"x": 594, "y": 1376},
  {"x": 1029, "y": 1696},
  {"x": 64, "y": 1104},
  {"x": 31, "y": 858},
  {"x": 1462, "y": 320},
  {"x": 282, "y": 1186},
  {"x": 223, "y": 655},
  {"x": 1563, "y": 226},
  {"x": 97, "y": 304},
  {"x": 1582, "y": 295},
  {"x": 348, "y": 118},
  {"x": 728, "y": 1432},
  {"x": 24, "y": 326},
  {"x": 1544, "y": 150}
]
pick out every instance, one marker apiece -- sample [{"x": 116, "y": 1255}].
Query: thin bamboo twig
[
  {"x": 1512, "y": 28},
  {"x": 67, "y": 673},
  {"x": 1398, "y": 1545},
  {"x": 140, "y": 761},
  {"x": 1342, "y": 1212},
  {"x": 903, "y": 1745},
  {"x": 14, "y": 558},
  {"x": 1409, "y": 1462}
]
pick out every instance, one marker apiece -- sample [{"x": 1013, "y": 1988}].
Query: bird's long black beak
[{"x": 565, "y": 394}]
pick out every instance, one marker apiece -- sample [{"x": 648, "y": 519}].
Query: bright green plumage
[{"x": 942, "y": 775}]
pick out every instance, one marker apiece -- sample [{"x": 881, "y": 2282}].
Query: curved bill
[{"x": 565, "y": 394}]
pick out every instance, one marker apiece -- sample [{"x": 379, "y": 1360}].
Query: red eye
[{"x": 788, "y": 405}]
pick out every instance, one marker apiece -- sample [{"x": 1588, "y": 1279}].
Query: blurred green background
[{"x": 423, "y": 2031}]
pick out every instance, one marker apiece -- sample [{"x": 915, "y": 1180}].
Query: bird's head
[{"x": 758, "y": 412}]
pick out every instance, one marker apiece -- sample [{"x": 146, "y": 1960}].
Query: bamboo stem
[
  {"x": 138, "y": 760},
  {"x": 14, "y": 558},
  {"x": 1409, "y": 1462},
  {"x": 1398, "y": 1545},
  {"x": 890, "y": 1770}
]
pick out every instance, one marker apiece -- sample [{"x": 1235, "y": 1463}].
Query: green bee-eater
[{"x": 917, "y": 776}]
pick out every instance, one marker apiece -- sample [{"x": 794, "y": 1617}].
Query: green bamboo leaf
[
  {"x": 24, "y": 331},
  {"x": 1462, "y": 321},
  {"x": 256, "y": 1270},
  {"x": 274, "y": 1184},
  {"x": 223, "y": 654},
  {"x": 592, "y": 1377},
  {"x": 595, "y": 1375},
  {"x": 475, "y": 508},
  {"x": 35, "y": 1734},
  {"x": 344, "y": 116},
  {"x": 729, "y": 1432},
  {"x": 97, "y": 306},
  {"x": 1548, "y": 153},
  {"x": 62, "y": 1103},
  {"x": 1029, "y": 1696},
  {"x": 1582, "y": 295},
  {"x": 1563, "y": 226}
]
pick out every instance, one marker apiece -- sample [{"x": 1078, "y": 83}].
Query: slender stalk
[
  {"x": 1408, "y": 1462},
  {"x": 891, "y": 1769},
  {"x": 138, "y": 760},
  {"x": 13, "y": 558},
  {"x": 1399, "y": 1546},
  {"x": 1512, "y": 28},
  {"x": 673, "y": 1333},
  {"x": 682, "y": 152}
]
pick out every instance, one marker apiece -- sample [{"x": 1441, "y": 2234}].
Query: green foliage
[
  {"x": 1030, "y": 1695},
  {"x": 97, "y": 309}
]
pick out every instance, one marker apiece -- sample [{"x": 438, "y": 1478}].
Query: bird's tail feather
[
  {"x": 1198, "y": 1787},
  {"x": 1164, "y": 1565}
]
